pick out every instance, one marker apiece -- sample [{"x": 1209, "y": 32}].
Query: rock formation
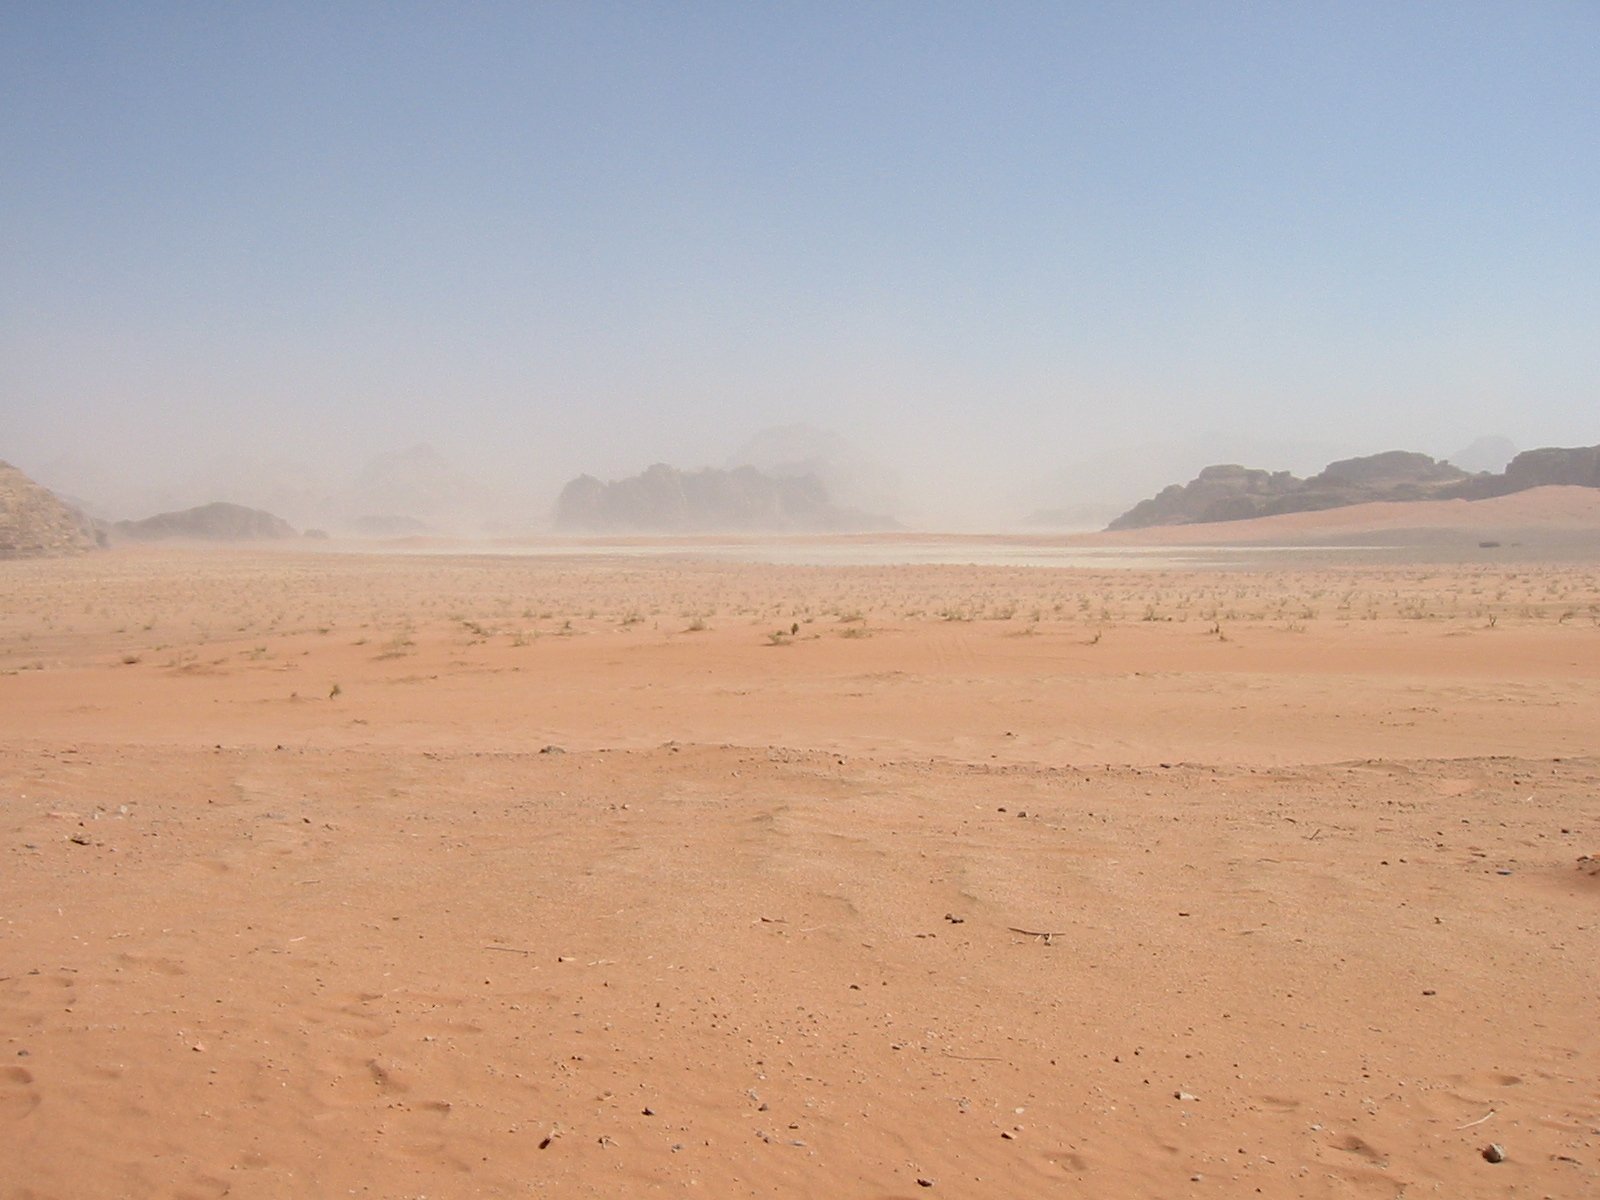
[
  {"x": 664, "y": 499},
  {"x": 1231, "y": 493},
  {"x": 36, "y": 523},
  {"x": 217, "y": 522},
  {"x": 1554, "y": 465}
]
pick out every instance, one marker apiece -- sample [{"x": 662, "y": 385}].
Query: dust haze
[{"x": 472, "y": 481}]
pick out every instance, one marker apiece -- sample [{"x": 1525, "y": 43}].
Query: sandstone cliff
[
  {"x": 1232, "y": 493},
  {"x": 36, "y": 523}
]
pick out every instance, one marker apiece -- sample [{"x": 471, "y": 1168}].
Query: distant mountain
[
  {"x": 416, "y": 483},
  {"x": 1234, "y": 493},
  {"x": 36, "y": 523},
  {"x": 664, "y": 499},
  {"x": 1484, "y": 454},
  {"x": 420, "y": 483},
  {"x": 852, "y": 479},
  {"x": 1117, "y": 478},
  {"x": 217, "y": 522}
]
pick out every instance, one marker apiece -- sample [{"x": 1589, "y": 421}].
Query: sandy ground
[{"x": 392, "y": 876}]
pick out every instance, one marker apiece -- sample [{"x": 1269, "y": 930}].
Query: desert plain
[{"x": 403, "y": 874}]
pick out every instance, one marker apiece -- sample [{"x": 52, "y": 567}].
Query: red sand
[{"x": 1015, "y": 882}]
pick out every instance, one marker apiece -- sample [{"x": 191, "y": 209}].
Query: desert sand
[{"x": 400, "y": 875}]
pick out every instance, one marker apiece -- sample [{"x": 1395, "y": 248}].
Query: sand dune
[
  {"x": 455, "y": 876},
  {"x": 1536, "y": 513}
]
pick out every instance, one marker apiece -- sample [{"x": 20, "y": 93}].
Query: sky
[{"x": 985, "y": 243}]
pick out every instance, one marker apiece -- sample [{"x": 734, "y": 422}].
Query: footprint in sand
[{"x": 18, "y": 1095}]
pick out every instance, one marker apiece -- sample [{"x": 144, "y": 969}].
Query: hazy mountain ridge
[
  {"x": 215, "y": 522},
  {"x": 1228, "y": 492},
  {"x": 853, "y": 480},
  {"x": 664, "y": 499},
  {"x": 415, "y": 488}
]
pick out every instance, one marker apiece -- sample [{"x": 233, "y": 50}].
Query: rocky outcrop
[
  {"x": 36, "y": 523},
  {"x": 664, "y": 499},
  {"x": 1231, "y": 493},
  {"x": 217, "y": 522},
  {"x": 1554, "y": 466}
]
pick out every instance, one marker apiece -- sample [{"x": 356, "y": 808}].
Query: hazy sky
[{"x": 983, "y": 241}]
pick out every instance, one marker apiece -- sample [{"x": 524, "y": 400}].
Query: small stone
[
  {"x": 1184, "y": 1096},
  {"x": 924, "y": 1183},
  {"x": 1494, "y": 1152}
]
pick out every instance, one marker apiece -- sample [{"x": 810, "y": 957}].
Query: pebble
[{"x": 1494, "y": 1152}]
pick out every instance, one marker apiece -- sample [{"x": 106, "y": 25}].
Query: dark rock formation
[
  {"x": 36, "y": 523},
  {"x": 217, "y": 522},
  {"x": 1220, "y": 493},
  {"x": 1231, "y": 493},
  {"x": 1234, "y": 493},
  {"x": 665, "y": 500},
  {"x": 1554, "y": 466}
]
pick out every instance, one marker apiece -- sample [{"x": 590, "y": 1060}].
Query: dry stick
[
  {"x": 973, "y": 1057},
  {"x": 511, "y": 949},
  {"x": 1479, "y": 1121},
  {"x": 1032, "y": 933}
]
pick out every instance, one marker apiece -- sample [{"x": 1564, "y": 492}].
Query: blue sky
[{"x": 982, "y": 241}]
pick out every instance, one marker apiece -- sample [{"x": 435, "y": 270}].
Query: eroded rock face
[
  {"x": 1554, "y": 466},
  {"x": 36, "y": 523},
  {"x": 1230, "y": 493},
  {"x": 1221, "y": 493},
  {"x": 217, "y": 522},
  {"x": 664, "y": 499}
]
